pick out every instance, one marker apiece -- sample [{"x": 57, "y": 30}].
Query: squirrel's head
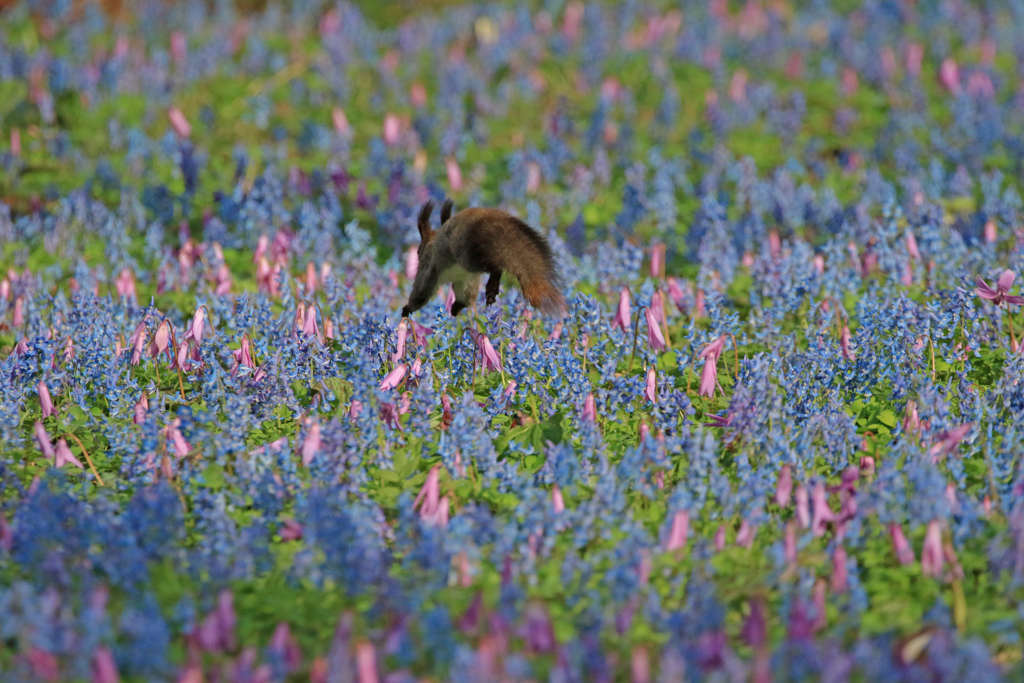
[{"x": 426, "y": 232}]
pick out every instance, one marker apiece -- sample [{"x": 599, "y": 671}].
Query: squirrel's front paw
[
  {"x": 457, "y": 308},
  {"x": 406, "y": 312},
  {"x": 491, "y": 299}
]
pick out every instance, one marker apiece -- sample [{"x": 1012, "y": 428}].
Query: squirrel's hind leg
[{"x": 493, "y": 287}]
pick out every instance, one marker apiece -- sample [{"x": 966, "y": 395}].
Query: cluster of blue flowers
[{"x": 775, "y": 436}]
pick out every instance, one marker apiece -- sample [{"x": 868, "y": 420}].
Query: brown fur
[{"x": 480, "y": 241}]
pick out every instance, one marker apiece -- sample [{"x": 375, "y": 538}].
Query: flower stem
[
  {"x": 88, "y": 459},
  {"x": 636, "y": 333}
]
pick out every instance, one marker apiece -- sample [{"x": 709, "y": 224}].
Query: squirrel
[{"x": 476, "y": 241}]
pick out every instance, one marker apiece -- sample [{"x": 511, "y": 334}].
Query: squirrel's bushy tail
[{"x": 534, "y": 267}]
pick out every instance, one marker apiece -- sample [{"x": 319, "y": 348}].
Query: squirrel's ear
[
  {"x": 423, "y": 221},
  {"x": 446, "y": 210}
]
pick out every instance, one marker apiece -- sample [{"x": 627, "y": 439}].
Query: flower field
[{"x": 775, "y": 435}]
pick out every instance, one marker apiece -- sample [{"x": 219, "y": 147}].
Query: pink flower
[
  {"x": 16, "y": 142},
  {"x": 623, "y": 314},
  {"x": 454, "y": 174},
  {"x": 654, "y": 335},
  {"x": 125, "y": 284},
  {"x": 181, "y": 446},
  {"x": 532, "y": 177},
  {"x": 394, "y": 378},
  {"x": 312, "y": 444},
  {"x": 840, "y": 577},
  {"x": 290, "y": 530},
  {"x": 309, "y": 326},
  {"x": 904, "y": 553},
  {"x": 366, "y": 662},
  {"x": 195, "y": 329},
  {"x": 658, "y": 260},
  {"x": 161, "y": 340},
  {"x": 179, "y": 122},
  {"x": 557, "y": 501},
  {"x": 104, "y": 670},
  {"x": 64, "y": 456},
  {"x": 803, "y": 509},
  {"x": 1001, "y": 293},
  {"x": 651, "y": 389},
  {"x": 43, "y": 439},
  {"x": 949, "y": 440},
  {"x": 491, "y": 359},
  {"x": 844, "y": 342},
  {"x": 418, "y": 95},
  {"x": 991, "y": 234},
  {"x": 640, "y": 665},
  {"x": 392, "y": 129},
  {"x": 822, "y": 512},
  {"x": 589, "y": 409},
  {"x": 912, "y": 246},
  {"x": 412, "y": 262},
  {"x": 679, "y": 532},
  {"x": 949, "y": 75},
  {"x": 784, "y": 487},
  {"x": 789, "y": 544},
  {"x": 746, "y": 534},
  {"x": 340, "y": 121},
  {"x": 931, "y": 555},
  {"x": 45, "y": 401},
  {"x": 709, "y": 375},
  {"x": 243, "y": 355}
]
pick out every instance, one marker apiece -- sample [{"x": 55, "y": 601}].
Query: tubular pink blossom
[
  {"x": 589, "y": 409},
  {"x": 651, "y": 389},
  {"x": 746, "y": 534},
  {"x": 904, "y": 553},
  {"x": 654, "y": 336},
  {"x": 104, "y": 670},
  {"x": 394, "y": 378},
  {"x": 64, "y": 456},
  {"x": 949, "y": 440},
  {"x": 532, "y": 177},
  {"x": 161, "y": 340},
  {"x": 449, "y": 300},
  {"x": 43, "y": 439},
  {"x": 991, "y": 234},
  {"x": 840, "y": 576},
  {"x": 18, "y": 317},
  {"x": 675, "y": 292},
  {"x": 312, "y": 444},
  {"x": 623, "y": 314},
  {"x": 309, "y": 326},
  {"x": 45, "y": 401},
  {"x": 412, "y": 262},
  {"x": 179, "y": 123},
  {"x": 708, "y": 377},
  {"x": 720, "y": 538},
  {"x": 949, "y": 75},
  {"x": 125, "y": 284},
  {"x": 557, "y": 501},
  {"x": 658, "y": 260},
  {"x": 789, "y": 544},
  {"x": 430, "y": 493},
  {"x": 640, "y": 665},
  {"x": 822, "y": 512},
  {"x": 451, "y": 166},
  {"x": 803, "y": 509},
  {"x": 912, "y": 246},
  {"x": 243, "y": 355},
  {"x": 679, "y": 532},
  {"x": 195, "y": 329},
  {"x": 16, "y": 142},
  {"x": 931, "y": 555},
  {"x": 392, "y": 129},
  {"x": 340, "y": 121},
  {"x": 366, "y": 663},
  {"x": 784, "y": 487},
  {"x": 181, "y": 446},
  {"x": 491, "y": 359}
]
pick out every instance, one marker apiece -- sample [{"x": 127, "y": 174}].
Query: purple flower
[
  {"x": 904, "y": 553},
  {"x": 1001, "y": 292},
  {"x": 64, "y": 456},
  {"x": 654, "y": 335},
  {"x": 680, "y": 530},
  {"x": 931, "y": 554},
  {"x": 43, "y": 439}
]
